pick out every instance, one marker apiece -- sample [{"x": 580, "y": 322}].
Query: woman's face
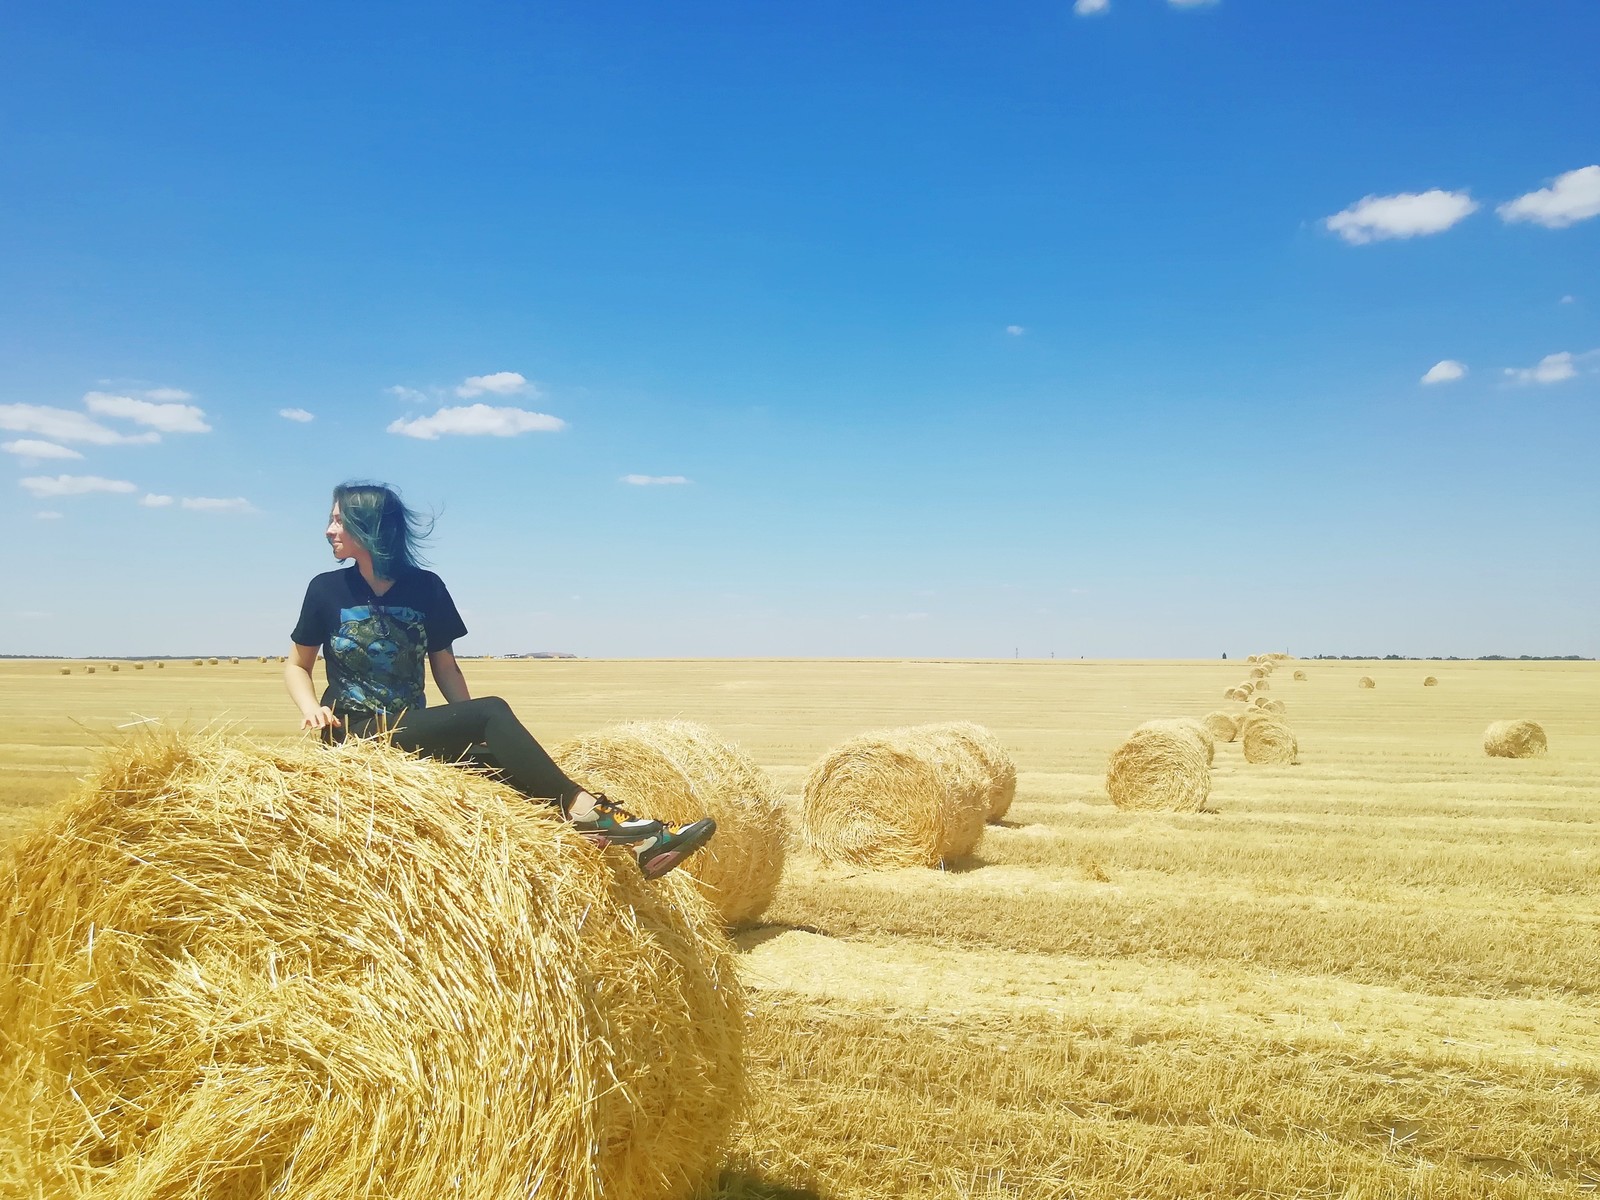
[{"x": 343, "y": 545}]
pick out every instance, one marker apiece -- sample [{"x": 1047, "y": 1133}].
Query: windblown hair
[{"x": 376, "y": 517}]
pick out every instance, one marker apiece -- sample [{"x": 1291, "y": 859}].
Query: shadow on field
[
  {"x": 750, "y": 936},
  {"x": 738, "y": 1185}
]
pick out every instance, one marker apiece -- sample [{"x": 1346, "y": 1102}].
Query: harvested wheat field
[{"x": 1369, "y": 974}]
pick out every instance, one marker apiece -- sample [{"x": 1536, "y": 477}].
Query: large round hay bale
[
  {"x": 1515, "y": 739},
  {"x": 1234, "y": 693},
  {"x": 906, "y": 797},
  {"x": 678, "y": 771},
  {"x": 1194, "y": 727},
  {"x": 1367, "y": 681},
  {"x": 1224, "y": 727},
  {"x": 1262, "y": 685},
  {"x": 1300, "y": 676},
  {"x": 1258, "y": 672},
  {"x": 1269, "y": 740},
  {"x": 1430, "y": 681},
  {"x": 999, "y": 770},
  {"x": 230, "y": 970},
  {"x": 1159, "y": 769}
]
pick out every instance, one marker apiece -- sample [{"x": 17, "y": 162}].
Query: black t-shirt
[{"x": 376, "y": 647}]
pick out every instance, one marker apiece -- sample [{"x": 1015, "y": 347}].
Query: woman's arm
[
  {"x": 447, "y": 675},
  {"x": 297, "y": 678}
]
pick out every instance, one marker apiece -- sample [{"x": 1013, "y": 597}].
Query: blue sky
[{"x": 810, "y": 329}]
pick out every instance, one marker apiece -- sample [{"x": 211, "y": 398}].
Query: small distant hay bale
[
  {"x": 1252, "y": 658},
  {"x": 1194, "y": 727},
  {"x": 233, "y": 970},
  {"x": 1224, "y": 726},
  {"x": 1515, "y": 739},
  {"x": 66, "y": 670},
  {"x": 138, "y": 666},
  {"x": 1235, "y": 693},
  {"x": 1258, "y": 672},
  {"x": 1159, "y": 769},
  {"x": 1300, "y": 676},
  {"x": 234, "y": 661},
  {"x": 199, "y": 662},
  {"x": 998, "y": 767},
  {"x": 88, "y": 670},
  {"x": 1430, "y": 681},
  {"x": 678, "y": 771},
  {"x": 895, "y": 798},
  {"x": 113, "y": 666},
  {"x": 212, "y": 661},
  {"x": 161, "y": 666},
  {"x": 1275, "y": 707},
  {"x": 1367, "y": 681},
  {"x": 1269, "y": 740},
  {"x": 285, "y": 658},
  {"x": 261, "y": 658},
  {"x": 1263, "y": 685}
]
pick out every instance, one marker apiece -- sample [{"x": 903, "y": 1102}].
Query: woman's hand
[{"x": 323, "y": 718}]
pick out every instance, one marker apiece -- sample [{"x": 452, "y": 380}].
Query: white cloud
[
  {"x": 654, "y": 480},
  {"x": 501, "y": 383},
  {"x": 296, "y": 414},
  {"x": 1409, "y": 214},
  {"x": 65, "y": 425},
  {"x": 477, "y": 420},
  {"x": 168, "y": 417},
  {"x": 1089, "y": 8},
  {"x": 27, "y": 448},
  {"x": 73, "y": 485},
  {"x": 47, "y": 515},
  {"x": 1571, "y": 198},
  {"x": 1569, "y": 299},
  {"x": 212, "y": 504},
  {"x": 167, "y": 394},
  {"x": 1552, "y": 368},
  {"x": 151, "y": 500},
  {"x": 1016, "y": 330},
  {"x": 1447, "y": 371},
  {"x": 409, "y": 395}
]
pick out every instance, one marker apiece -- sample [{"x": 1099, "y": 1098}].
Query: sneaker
[
  {"x": 612, "y": 825},
  {"x": 658, "y": 857}
]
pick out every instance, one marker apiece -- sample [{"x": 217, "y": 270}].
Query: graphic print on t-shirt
[{"x": 380, "y": 652}]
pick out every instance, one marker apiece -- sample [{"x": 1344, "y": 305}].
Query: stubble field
[{"x": 1372, "y": 974}]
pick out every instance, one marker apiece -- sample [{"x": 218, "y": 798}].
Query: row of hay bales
[
  {"x": 90, "y": 670},
  {"x": 1502, "y": 739}
]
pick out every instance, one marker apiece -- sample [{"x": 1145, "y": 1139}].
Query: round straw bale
[
  {"x": 113, "y": 666},
  {"x": 1367, "y": 681},
  {"x": 999, "y": 769},
  {"x": 1258, "y": 672},
  {"x": 1194, "y": 727},
  {"x": 1430, "y": 681},
  {"x": 66, "y": 670},
  {"x": 678, "y": 771},
  {"x": 1252, "y": 658},
  {"x": 235, "y": 970},
  {"x": 234, "y": 661},
  {"x": 138, "y": 666},
  {"x": 161, "y": 666},
  {"x": 1159, "y": 768},
  {"x": 1224, "y": 727},
  {"x": 1234, "y": 693},
  {"x": 88, "y": 670},
  {"x": 895, "y": 798},
  {"x": 1275, "y": 707},
  {"x": 212, "y": 661},
  {"x": 1515, "y": 739},
  {"x": 1263, "y": 685},
  {"x": 1269, "y": 740},
  {"x": 1300, "y": 676}
]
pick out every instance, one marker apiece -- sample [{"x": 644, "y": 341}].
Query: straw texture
[
  {"x": 1515, "y": 739},
  {"x": 908, "y": 797},
  {"x": 1276, "y": 707},
  {"x": 230, "y": 971},
  {"x": 1194, "y": 727},
  {"x": 1367, "y": 681},
  {"x": 1300, "y": 676},
  {"x": 1224, "y": 727},
  {"x": 1159, "y": 769},
  {"x": 1430, "y": 681},
  {"x": 678, "y": 771},
  {"x": 999, "y": 770},
  {"x": 1269, "y": 740}
]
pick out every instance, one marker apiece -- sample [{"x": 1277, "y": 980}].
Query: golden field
[{"x": 1375, "y": 973}]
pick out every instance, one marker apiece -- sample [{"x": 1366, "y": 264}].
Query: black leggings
[{"x": 463, "y": 730}]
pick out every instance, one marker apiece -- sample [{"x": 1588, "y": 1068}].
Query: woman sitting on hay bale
[{"x": 377, "y": 622}]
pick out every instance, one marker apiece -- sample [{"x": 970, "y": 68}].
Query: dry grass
[
  {"x": 1224, "y": 727},
  {"x": 233, "y": 971},
  {"x": 1370, "y": 975}
]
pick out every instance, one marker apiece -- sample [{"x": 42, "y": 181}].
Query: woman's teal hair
[{"x": 375, "y": 516}]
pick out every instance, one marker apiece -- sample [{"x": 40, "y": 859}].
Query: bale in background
[
  {"x": 999, "y": 769},
  {"x": 894, "y": 798},
  {"x": 1263, "y": 685},
  {"x": 1257, "y": 673},
  {"x": 241, "y": 971},
  {"x": 138, "y": 666},
  {"x": 1275, "y": 707},
  {"x": 1367, "y": 681},
  {"x": 1234, "y": 693},
  {"x": 66, "y": 670},
  {"x": 1300, "y": 676},
  {"x": 1269, "y": 740},
  {"x": 199, "y": 662},
  {"x": 212, "y": 661},
  {"x": 678, "y": 772},
  {"x": 235, "y": 661},
  {"x": 1159, "y": 769},
  {"x": 1430, "y": 681},
  {"x": 113, "y": 667},
  {"x": 88, "y": 670},
  {"x": 1223, "y": 726},
  {"x": 1515, "y": 739},
  {"x": 1194, "y": 727}
]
